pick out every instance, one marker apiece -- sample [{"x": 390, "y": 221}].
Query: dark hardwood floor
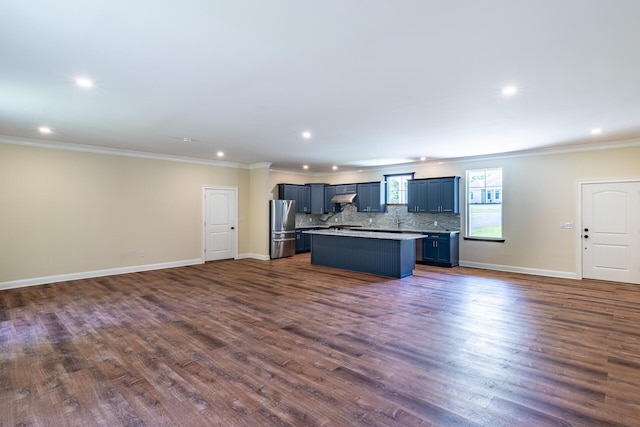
[{"x": 253, "y": 343}]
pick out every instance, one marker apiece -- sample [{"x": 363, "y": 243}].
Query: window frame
[
  {"x": 494, "y": 201},
  {"x": 388, "y": 187}
]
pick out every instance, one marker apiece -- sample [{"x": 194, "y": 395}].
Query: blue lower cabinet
[
  {"x": 303, "y": 242},
  {"x": 441, "y": 249}
]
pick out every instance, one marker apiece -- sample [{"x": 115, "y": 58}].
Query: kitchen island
[{"x": 385, "y": 254}]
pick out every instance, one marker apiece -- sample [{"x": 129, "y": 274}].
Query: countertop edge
[
  {"x": 381, "y": 230},
  {"x": 361, "y": 234}
]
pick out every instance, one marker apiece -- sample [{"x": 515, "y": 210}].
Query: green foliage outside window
[{"x": 397, "y": 188}]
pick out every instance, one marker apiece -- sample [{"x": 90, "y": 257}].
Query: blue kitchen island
[{"x": 385, "y": 254}]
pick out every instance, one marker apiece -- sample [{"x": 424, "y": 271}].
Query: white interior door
[
  {"x": 220, "y": 224},
  {"x": 611, "y": 231}
]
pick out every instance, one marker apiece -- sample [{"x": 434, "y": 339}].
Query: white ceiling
[{"x": 371, "y": 79}]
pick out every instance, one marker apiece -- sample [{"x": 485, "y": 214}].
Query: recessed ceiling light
[
  {"x": 187, "y": 139},
  {"x": 306, "y": 134},
  {"x": 596, "y": 131},
  {"x": 45, "y": 129},
  {"x": 84, "y": 82},
  {"x": 509, "y": 90},
  {"x": 334, "y": 168},
  {"x": 422, "y": 159},
  {"x": 305, "y": 167},
  {"x": 220, "y": 154}
]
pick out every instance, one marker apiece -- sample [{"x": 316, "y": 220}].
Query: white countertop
[
  {"x": 366, "y": 234},
  {"x": 378, "y": 230}
]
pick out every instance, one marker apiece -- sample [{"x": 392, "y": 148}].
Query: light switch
[{"x": 567, "y": 225}]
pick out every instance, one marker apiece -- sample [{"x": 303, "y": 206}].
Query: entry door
[
  {"x": 611, "y": 231},
  {"x": 220, "y": 224}
]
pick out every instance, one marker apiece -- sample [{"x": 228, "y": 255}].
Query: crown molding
[
  {"x": 68, "y": 146},
  {"x": 598, "y": 146},
  {"x": 259, "y": 165},
  {"x": 607, "y": 145},
  {"x": 59, "y": 145}
]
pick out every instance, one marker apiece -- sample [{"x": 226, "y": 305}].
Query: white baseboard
[
  {"x": 96, "y": 273},
  {"x": 148, "y": 267},
  {"x": 523, "y": 270},
  {"x": 254, "y": 256}
]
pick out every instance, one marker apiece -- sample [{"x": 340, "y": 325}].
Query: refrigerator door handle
[{"x": 282, "y": 240}]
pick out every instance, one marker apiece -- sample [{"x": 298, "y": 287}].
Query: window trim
[
  {"x": 485, "y": 239},
  {"x": 466, "y": 236},
  {"x": 386, "y": 180}
]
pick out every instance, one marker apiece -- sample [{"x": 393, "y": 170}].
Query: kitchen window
[
  {"x": 484, "y": 204},
  {"x": 397, "y": 188}
]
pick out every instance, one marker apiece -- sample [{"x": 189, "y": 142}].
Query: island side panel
[{"x": 392, "y": 258}]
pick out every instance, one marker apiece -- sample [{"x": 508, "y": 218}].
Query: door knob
[
  {"x": 233, "y": 228},
  {"x": 586, "y": 229},
  {"x": 586, "y": 236}
]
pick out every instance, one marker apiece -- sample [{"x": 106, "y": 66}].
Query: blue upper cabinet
[
  {"x": 443, "y": 195},
  {"x": 329, "y": 192},
  {"x": 288, "y": 192},
  {"x": 346, "y": 188},
  {"x": 417, "y": 195},
  {"x": 317, "y": 205},
  {"x": 304, "y": 199},
  {"x": 371, "y": 197},
  {"x": 434, "y": 195},
  {"x": 300, "y": 193}
]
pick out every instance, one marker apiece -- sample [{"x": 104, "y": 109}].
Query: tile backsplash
[{"x": 396, "y": 217}]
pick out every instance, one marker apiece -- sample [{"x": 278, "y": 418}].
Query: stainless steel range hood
[{"x": 343, "y": 198}]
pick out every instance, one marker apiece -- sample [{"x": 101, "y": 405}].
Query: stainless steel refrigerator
[{"x": 282, "y": 217}]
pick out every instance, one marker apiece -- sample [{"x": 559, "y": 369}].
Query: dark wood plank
[{"x": 283, "y": 342}]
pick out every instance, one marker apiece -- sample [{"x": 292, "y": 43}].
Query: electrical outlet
[
  {"x": 370, "y": 220},
  {"x": 435, "y": 223},
  {"x": 336, "y": 219},
  {"x": 141, "y": 254},
  {"x": 310, "y": 219}
]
